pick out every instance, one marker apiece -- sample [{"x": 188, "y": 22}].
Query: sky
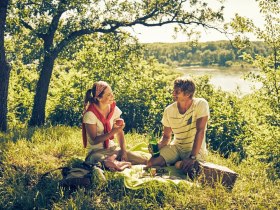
[{"x": 247, "y": 8}]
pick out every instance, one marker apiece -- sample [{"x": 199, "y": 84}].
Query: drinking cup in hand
[{"x": 119, "y": 122}]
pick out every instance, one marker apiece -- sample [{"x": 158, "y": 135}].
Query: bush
[{"x": 142, "y": 88}]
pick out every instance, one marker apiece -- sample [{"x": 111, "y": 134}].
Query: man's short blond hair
[{"x": 185, "y": 84}]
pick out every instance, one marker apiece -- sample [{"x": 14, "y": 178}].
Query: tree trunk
[
  {"x": 40, "y": 99},
  {"x": 4, "y": 69}
]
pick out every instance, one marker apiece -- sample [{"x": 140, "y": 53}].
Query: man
[{"x": 187, "y": 119}]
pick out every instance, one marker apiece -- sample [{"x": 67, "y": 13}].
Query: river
[{"x": 228, "y": 79}]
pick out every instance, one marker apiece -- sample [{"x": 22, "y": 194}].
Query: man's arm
[
  {"x": 199, "y": 136},
  {"x": 200, "y": 132},
  {"x": 166, "y": 137}
]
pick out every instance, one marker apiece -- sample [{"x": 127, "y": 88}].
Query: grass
[{"x": 26, "y": 154}]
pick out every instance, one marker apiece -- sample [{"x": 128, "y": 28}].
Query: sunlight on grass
[{"x": 26, "y": 157}]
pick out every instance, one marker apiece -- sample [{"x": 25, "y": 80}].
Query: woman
[{"x": 100, "y": 128}]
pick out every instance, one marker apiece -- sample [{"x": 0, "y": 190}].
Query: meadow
[{"x": 26, "y": 154}]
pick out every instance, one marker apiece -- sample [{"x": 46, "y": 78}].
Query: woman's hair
[
  {"x": 96, "y": 91},
  {"x": 185, "y": 84}
]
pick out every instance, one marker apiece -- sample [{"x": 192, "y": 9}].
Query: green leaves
[
  {"x": 142, "y": 88},
  {"x": 262, "y": 109}
]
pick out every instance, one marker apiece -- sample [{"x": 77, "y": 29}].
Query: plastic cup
[
  {"x": 119, "y": 122},
  {"x": 153, "y": 171}
]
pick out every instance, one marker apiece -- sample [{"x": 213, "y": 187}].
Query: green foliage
[
  {"x": 265, "y": 148},
  {"x": 48, "y": 28},
  {"x": 65, "y": 98},
  {"x": 262, "y": 140},
  {"x": 142, "y": 88},
  {"x": 21, "y": 92},
  {"x": 226, "y": 125},
  {"x": 270, "y": 91},
  {"x": 262, "y": 109}
]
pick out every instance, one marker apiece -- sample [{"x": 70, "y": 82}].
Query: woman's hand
[{"x": 117, "y": 128}]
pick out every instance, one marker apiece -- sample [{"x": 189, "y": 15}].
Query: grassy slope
[{"x": 36, "y": 151}]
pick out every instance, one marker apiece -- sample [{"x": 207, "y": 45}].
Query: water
[{"x": 228, "y": 79}]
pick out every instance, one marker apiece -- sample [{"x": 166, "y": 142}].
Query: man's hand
[{"x": 187, "y": 165}]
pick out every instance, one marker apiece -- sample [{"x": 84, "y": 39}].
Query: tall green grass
[{"x": 26, "y": 154}]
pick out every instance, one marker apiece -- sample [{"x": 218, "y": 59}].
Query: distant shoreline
[{"x": 215, "y": 68}]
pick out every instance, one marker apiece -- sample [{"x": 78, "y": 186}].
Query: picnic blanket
[
  {"x": 137, "y": 176},
  {"x": 209, "y": 173}
]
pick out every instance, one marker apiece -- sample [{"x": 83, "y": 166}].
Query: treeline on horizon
[{"x": 220, "y": 53}]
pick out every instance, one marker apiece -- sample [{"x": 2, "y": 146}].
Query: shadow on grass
[{"x": 25, "y": 188}]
